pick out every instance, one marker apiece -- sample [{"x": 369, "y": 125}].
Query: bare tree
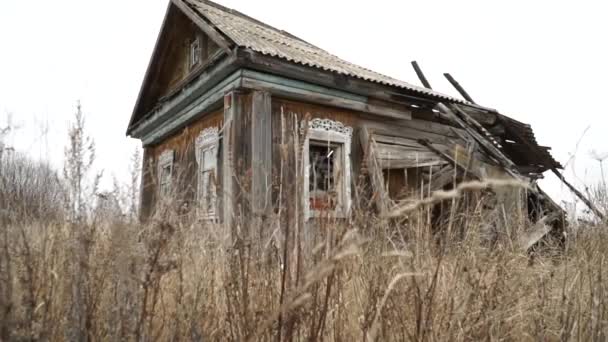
[{"x": 78, "y": 168}]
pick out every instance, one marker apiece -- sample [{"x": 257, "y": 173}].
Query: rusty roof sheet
[{"x": 249, "y": 33}]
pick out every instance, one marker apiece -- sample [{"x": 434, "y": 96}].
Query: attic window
[{"x": 195, "y": 52}]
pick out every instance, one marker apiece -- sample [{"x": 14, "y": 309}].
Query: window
[
  {"x": 195, "y": 52},
  {"x": 165, "y": 170},
  {"x": 327, "y": 178},
  {"x": 207, "y": 147}
]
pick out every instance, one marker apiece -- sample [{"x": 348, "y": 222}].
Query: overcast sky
[{"x": 541, "y": 62}]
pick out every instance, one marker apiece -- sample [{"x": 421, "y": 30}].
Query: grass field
[{"x": 175, "y": 279}]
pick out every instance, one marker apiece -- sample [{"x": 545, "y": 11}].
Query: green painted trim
[
  {"x": 189, "y": 104},
  {"x": 295, "y": 84},
  {"x": 198, "y": 106},
  {"x": 174, "y": 105},
  {"x": 307, "y": 92}
]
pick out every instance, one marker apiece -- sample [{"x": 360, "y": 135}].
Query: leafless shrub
[{"x": 28, "y": 189}]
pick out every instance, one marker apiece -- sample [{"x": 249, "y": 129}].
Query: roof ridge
[{"x": 245, "y": 16}]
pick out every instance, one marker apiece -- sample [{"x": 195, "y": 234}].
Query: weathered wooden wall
[
  {"x": 171, "y": 68},
  {"x": 413, "y": 129},
  {"x": 184, "y": 174},
  {"x": 253, "y": 151}
]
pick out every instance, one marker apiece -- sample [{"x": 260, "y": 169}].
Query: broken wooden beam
[
  {"x": 420, "y": 75},
  {"x": 580, "y": 195},
  {"x": 468, "y": 124},
  {"x": 537, "y": 233},
  {"x": 447, "y": 158},
  {"x": 375, "y": 172},
  {"x": 459, "y": 88}
]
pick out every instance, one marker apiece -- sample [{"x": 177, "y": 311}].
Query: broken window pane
[{"x": 324, "y": 176}]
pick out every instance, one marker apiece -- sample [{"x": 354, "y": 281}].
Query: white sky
[{"x": 541, "y": 62}]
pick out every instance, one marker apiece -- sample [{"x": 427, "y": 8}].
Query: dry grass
[
  {"x": 82, "y": 269},
  {"x": 367, "y": 279}
]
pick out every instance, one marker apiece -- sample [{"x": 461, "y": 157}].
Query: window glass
[
  {"x": 195, "y": 52},
  {"x": 207, "y": 147},
  {"x": 165, "y": 168},
  {"x": 209, "y": 158},
  {"x": 324, "y": 161}
]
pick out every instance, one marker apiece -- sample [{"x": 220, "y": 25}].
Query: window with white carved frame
[
  {"x": 207, "y": 151},
  {"x": 327, "y": 180},
  {"x": 195, "y": 52},
  {"x": 165, "y": 171}
]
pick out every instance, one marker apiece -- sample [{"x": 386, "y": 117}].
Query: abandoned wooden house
[{"x": 224, "y": 94}]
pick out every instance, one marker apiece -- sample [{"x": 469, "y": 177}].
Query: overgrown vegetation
[{"x": 86, "y": 270}]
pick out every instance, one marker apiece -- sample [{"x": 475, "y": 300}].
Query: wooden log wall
[
  {"x": 247, "y": 154},
  {"x": 394, "y": 137},
  {"x": 184, "y": 163}
]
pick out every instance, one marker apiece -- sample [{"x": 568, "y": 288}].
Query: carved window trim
[
  {"x": 196, "y": 55},
  {"x": 165, "y": 179},
  {"x": 207, "y": 142},
  {"x": 326, "y": 131}
]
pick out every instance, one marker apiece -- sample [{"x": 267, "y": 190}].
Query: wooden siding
[
  {"x": 184, "y": 174},
  {"x": 412, "y": 129},
  {"x": 171, "y": 68}
]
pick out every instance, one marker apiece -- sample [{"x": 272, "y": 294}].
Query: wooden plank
[
  {"x": 261, "y": 151},
  {"x": 395, "y": 152},
  {"x": 375, "y": 172},
  {"x": 206, "y": 85},
  {"x": 442, "y": 178},
  {"x": 538, "y": 232},
  {"x": 208, "y": 102},
  {"x": 293, "y": 89},
  {"x": 421, "y": 76},
  {"x": 433, "y": 127},
  {"x": 450, "y": 159},
  {"x": 227, "y": 155},
  {"x": 202, "y": 24},
  {"x": 459, "y": 88},
  {"x": 405, "y": 142},
  {"x": 467, "y": 123},
  {"x": 147, "y": 186},
  {"x": 580, "y": 195},
  {"x": 396, "y": 130},
  {"x": 408, "y": 163}
]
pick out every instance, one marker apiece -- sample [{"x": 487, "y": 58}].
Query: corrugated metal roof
[
  {"x": 249, "y": 33},
  {"x": 526, "y": 150}
]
